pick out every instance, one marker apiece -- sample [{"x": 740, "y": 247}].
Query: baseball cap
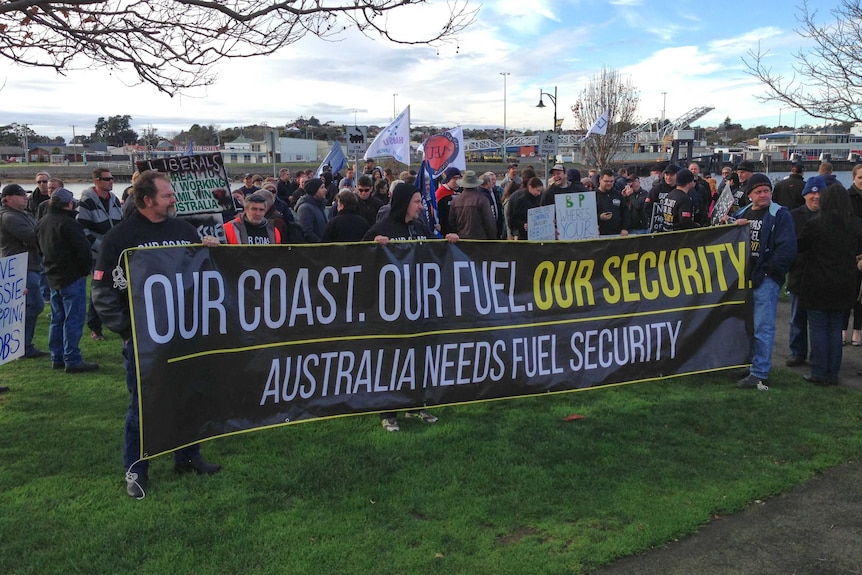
[
  {"x": 62, "y": 197},
  {"x": 13, "y": 190}
]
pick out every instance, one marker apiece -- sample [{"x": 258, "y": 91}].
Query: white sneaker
[
  {"x": 390, "y": 424},
  {"x": 423, "y": 415}
]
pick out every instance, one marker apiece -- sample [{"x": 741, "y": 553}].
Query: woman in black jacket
[{"x": 833, "y": 239}]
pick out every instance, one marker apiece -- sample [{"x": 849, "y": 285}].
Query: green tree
[{"x": 116, "y": 131}]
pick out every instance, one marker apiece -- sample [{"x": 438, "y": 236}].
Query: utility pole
[
  {"x": 504, "y": 74},
  {"x": 75, "y": 157}
]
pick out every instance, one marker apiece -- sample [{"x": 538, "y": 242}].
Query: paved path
[{"x": 814, "y": 529}]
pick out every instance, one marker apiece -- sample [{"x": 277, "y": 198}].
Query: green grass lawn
[{"x": 506, "y": 487}]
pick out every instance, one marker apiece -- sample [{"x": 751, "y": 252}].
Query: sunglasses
[
  {"x": 41, "y": 181},
  {"x": 107, "y": 179}
]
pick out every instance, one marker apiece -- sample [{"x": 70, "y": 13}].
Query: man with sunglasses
[
  {"x": 368, "y": 204},
  {"x": 39, "y": 194},
  {"x": 99, "y": 210}
]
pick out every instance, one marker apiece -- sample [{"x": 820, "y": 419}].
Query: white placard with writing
[
  {"x": 13, "y": 283},
  {"x": 577, "y": 217},
  {"x": 540, "y": 224}
]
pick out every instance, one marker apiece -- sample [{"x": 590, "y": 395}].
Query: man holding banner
[
  {"x": 153, "y": 224},
  {"x": 773, "y": 249}
]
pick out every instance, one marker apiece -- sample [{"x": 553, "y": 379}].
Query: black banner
[{"x": 242, "y": 337}]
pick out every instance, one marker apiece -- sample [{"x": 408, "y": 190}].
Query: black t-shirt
[
  {"x": 257, "y": 234},
  {"x": 755, "y": 225}
]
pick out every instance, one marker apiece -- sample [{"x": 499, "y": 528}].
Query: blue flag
[
  {"x": 335, "y": 159},
  {"x": 425, "y": 183}
]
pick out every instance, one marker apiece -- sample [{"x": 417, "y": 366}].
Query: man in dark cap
[
  {"x": 445, "y": 193},
  {"x": 744, "y": 171},
  {"x": 68, "y": 262},
  {"x": 788, "y": 192},
  {"x": 18, "y": 236},
  {"x": 636, "y": 197},
  {"x": 773, "y": 248},
  {"x": 560, "y": 183},
  {"x": 248, "y": 185},
  {"x": 661, "y": 188},
  {"x": 677, "y": 207}
]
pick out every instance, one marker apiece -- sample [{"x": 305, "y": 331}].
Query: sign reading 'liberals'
[{"x": 238, "y": 337}]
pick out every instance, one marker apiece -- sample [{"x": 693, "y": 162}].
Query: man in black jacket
[
  {"x": 67, "y": 258},
  {"x": 788, "y": 192},
  {"x": 153, "y": 224}
]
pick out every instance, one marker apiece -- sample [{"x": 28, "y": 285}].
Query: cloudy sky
[{"x": 679, "y": 54}]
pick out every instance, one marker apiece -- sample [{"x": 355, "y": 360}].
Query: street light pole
[
  {"x": 663, "y": 107},
  {"x": 541, "y": 104},
  {"x": 394, "y": 107},
  {"x": 504, "y": 74}
]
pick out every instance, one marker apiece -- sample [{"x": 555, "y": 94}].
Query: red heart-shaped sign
[{"x": 440, "y": 151}]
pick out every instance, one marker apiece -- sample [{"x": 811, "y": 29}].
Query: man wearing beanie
[
  {"x": 311, "y": 210},
  {"x": 773, "y": 248}
]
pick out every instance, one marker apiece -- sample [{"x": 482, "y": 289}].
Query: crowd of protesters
[{"x": 811, "y": 228}]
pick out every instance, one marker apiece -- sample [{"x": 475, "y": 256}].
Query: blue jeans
[
  {"x": 43, "y": 284},
  {"x": 132, "y": 432},
  {"x": 826, "y": 345},
  {"x": 33, "y": 306},
  {"x": 68, "y": 311},
  {"x": 765, "y": 306},
  {"x": 798, "y": 328}
]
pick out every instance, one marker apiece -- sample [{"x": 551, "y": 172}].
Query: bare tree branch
[
  {"x": 606, "y": 91},
  {"x": 827, "y": 81},
  {"x": 174, "y": 44}
]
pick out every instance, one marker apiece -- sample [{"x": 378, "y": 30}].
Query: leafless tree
[
  {"x": 174, "y": 44},
  {"x": 609, "y": 92},
  {"x": 827, "y": 81}
]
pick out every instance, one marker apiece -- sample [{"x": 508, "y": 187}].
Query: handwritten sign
[
  {"x": 13, "y": 282},
  {"x": 200, "y": 182},
  {"x": 577, "y": 216},
  {"x": 540, "y": 224},
  {"x": 722, "y": 206}
]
